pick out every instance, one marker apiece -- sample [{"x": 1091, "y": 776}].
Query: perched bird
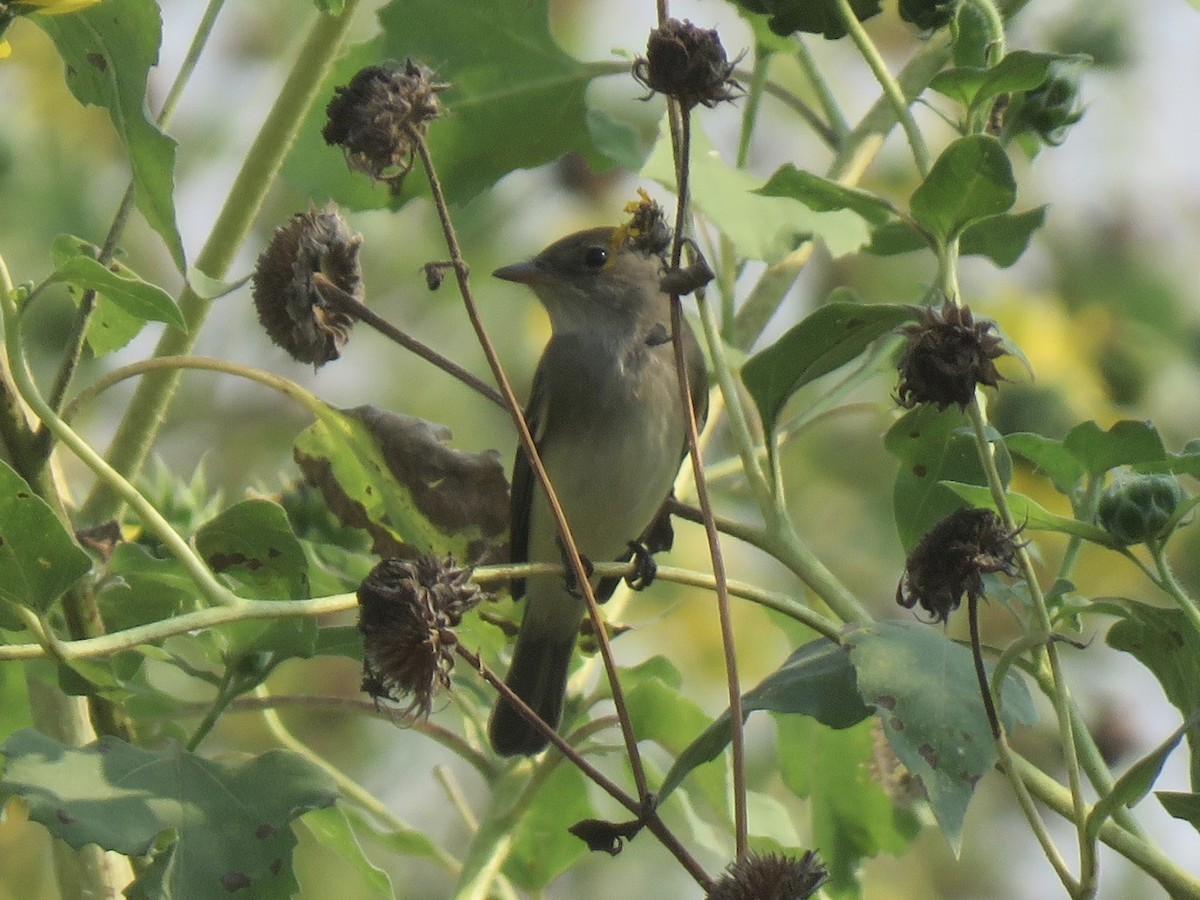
[{"x": 606, "y": 417}]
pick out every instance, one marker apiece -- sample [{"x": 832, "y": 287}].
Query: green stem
[
  {"x": 751, "y": 104},
  {"x": 1061, "y": 695},
  {"x": 1176, "y": 881},
  {"x": 1171, "y": 585},
  {"x": 995, "y": 29},
  {"x": 204, "y": 579},
  {"x": 820, "y": 85},
  {"x": 350, "y": 788},
  {"x": 87, "y": 307},
  {"x": 891, "y": 88},
  {"x": 138, "y": 429}
]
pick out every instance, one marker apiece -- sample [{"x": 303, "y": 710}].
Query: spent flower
[
  {"x": 951, "y": 560},
  {"x": 407, "y": 613},
  {"x": 289, "y": 302}
]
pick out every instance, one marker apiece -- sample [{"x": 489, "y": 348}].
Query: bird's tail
[{"x": 538, "y": 676}]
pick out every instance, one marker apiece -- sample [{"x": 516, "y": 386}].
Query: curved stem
[
  {"x": 891, "y": 89},
  {"x": 204, "y": 579},
  {"x": 1173, "y": 588},
  {"x": 820, "y": 85},
  {"x": 140, "y": 425},
  {"x": 350, "y": 788}
]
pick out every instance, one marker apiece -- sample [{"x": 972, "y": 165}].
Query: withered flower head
[
  {"x": 947, "y": 355},
  {"x": 290, "y": 307},
  {"x": 373, "y": 118},
  {"x": 647, "y": 229},
  {"x": 952, "y": 559},
  {"x": 770, "y": 876},
  {"x": 688, "y": 63},
  {"x": 407, "y": 612}
]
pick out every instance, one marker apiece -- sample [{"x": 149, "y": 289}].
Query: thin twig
[
  {"x": 681, "y": 143},
  {"x": 639, "y": 807},
  {"x": 346, "y": 303},
  {"x": 529, "y": 447}
]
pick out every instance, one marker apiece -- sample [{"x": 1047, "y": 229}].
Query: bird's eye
[{"x": 595, "y": 257}]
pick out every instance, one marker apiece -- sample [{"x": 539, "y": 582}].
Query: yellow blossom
[{"x": 52, "y": 7}]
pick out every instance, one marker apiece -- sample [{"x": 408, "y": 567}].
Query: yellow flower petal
[
  {"x": 57, "y": 7},
  {"x": 5, "y": 49}
]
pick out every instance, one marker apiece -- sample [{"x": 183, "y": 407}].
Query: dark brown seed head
[
  {"x": 289, "y": 305},
  {"x": 951, "y": 560},
  {"x": 407, "y": 613},
  {"x": 770, "y": 876},
  {"x": 688, "y": 63},
  {"x": 948, "y": 353},
  {"x": 647, "y": 230},
  {"x": 374, "y": 117}
]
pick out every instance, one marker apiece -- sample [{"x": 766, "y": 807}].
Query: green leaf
[
  {"x": 15, "y": 711},
  {"x": 1003, "y": 239},
  {"x": 853, "y": 815},
  {"x": 1028, "y": 513},
  {"x": 617, "y": 140},
  {"x": 252, "y": 543},
  {"x": 505, "y": 72},
  {"x": 1125, "y": 443},
  {"x": 761, "y": 227},
  {"x": 115, "y": 281},
  {"x": 1020, "y": 70},
  {"x": 1164, "y": 641},
  {"x": 39, "y": 558},
  {"x": 331, "y": 828},
  {"x": 396, "y": 477},
  {"x": 1050, "y": 458},
  {"x": 403, "y": 840},
  {"x": 960, "y": 84},
  {"x": 211, "y": 828},
  {"x": 542, "y": 847},
  {"x": 817, "y": 680},
  {"x": 108, "y": 50},
  {"x": 1181, "y": 806},
  {"x": 662, "y": 713},
  {"x": 1133, "y": 786},
  {"x": 932, "y": 447},
  {"x": 827, "y": 339},
  {"x": 823, "y": 195},
  {"x": 811, "y": 16},
  {"x": 971, "y": 180},
  {"x": 924, "y": 688}
]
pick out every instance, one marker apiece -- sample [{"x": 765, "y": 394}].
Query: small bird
[{"x": 606, "y": 417}]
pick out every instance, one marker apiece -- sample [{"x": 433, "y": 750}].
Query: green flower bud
[
  {"x": 1136, "y": 509},
  {"x": 1050, "y": 109},
  {"x": 928, "y": 15}
]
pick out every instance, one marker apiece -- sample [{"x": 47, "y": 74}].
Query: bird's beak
[{"x": 528, "y": 272}]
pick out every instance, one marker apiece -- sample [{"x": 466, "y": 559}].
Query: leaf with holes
[
  {"x": 924, "y": 688},
  {"x": 211, "y": 829}
]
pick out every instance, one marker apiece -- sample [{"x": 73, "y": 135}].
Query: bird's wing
[{"x": 524, "y": 480}]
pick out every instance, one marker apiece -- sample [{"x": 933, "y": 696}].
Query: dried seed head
[
  {"x": 947, "y": 355},
  {"x": 373, "y": 118},
  {"x": 647, "y": 229},
  {"x": 688, "y": 63},
  {"x": 289, "y": 305},
  {"x": 407, "y": 613},
  {"x": 770, "y": 876},
  {"x": 952, "y": 559}
]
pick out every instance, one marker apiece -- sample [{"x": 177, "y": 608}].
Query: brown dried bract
[
  {"x": 289, "y": 305},
  {"x": 374, "y": 117},
  {"x": 951, "y": 560},
  {"x": 947, "y": 355},
  {"x": 407, "y": 613},
  {"x": 770, "y": 876},
  {"x": 688, "y": 63}
]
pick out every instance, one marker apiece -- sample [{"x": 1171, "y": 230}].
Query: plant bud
[{"x": 1136, "y": 509}]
